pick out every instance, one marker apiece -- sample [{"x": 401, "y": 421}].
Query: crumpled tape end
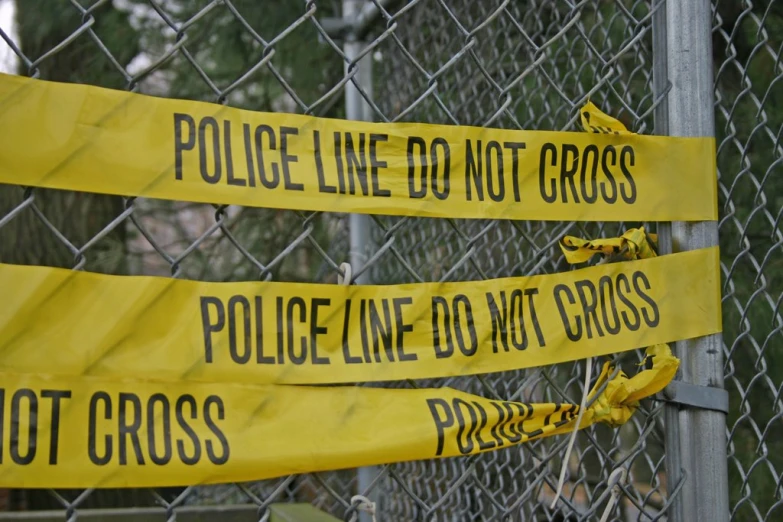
[
  {"x": 595, "y": 120},
  {"x": 635, "y": 243},
  {"x": 619, "y": 400}
]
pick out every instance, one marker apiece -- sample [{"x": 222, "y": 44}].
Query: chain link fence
[
  {"x": 527, "y": 64},
  {"x": 747, "y": 44}
]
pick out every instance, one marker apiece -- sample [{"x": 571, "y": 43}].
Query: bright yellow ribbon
[{"x": 618, "y": 401}]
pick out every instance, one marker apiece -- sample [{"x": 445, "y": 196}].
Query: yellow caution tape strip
[
  {"x": 76, "y": 137},
  {"x": 636, "y": 243},
  {"x": 58, "y": 321},
  {"x": 595, "y": 120},
  {"x": 82, "y": 432}
]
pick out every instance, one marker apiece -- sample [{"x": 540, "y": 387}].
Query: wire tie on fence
[
  {"x": 615, "y": 478},
  {"x": 363, "y": 504},
  {"x": 585, "y": 392},
  {"x": 344, "y": 278}
]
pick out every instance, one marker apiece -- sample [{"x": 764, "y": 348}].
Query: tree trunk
[{"x": 27, "y": 238}]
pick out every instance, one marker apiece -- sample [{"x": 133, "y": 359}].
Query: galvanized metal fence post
[
  {"x": 695, "y": 436},
  {"x": 356, "y": 108}
]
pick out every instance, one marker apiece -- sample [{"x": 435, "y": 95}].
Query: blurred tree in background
[
  {"x": 747, "y": 49},
  {"x": 258, "y": 56},
  {"x": 78, "y": 216}
]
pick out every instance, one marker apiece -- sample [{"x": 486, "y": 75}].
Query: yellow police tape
[
  {"x": 633, "y": 244},
  {"x": 59, "y": 321},
  {"x": 595, "y": 120},
  {"x": 77, "y": 137},
  {"x": 81, "y": 432}
]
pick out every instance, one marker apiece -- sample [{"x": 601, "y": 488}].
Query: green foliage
[
  {"x": 275, "y": 40},
  {"x": 749, "y": 119},
  {"x": 42, "y": 26}
]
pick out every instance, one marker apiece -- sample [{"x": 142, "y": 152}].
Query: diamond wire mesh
[
  {"x": 497, "y": 63},
  {"x": 514, "y": 65},
  {"x": 490, "y": 63},
  {"x": 748, "y": 48}
]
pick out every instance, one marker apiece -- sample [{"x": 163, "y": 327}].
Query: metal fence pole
[
  {"x": 356, "y": 108},
  {"x": 695, "y": 437}
]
